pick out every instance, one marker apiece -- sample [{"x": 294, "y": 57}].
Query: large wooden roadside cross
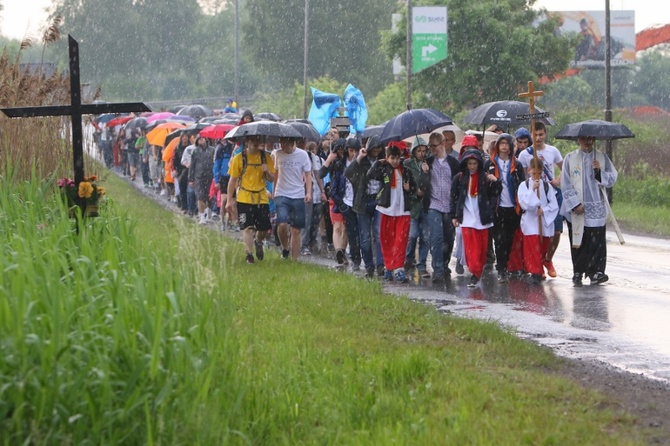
[{"x": 76, "y": 110}]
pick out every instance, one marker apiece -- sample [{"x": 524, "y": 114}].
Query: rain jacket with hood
[
  {"x": 515, "y": 174},
  {"x": 356, "y": 173},
  {"x": 487, "y": 191}
]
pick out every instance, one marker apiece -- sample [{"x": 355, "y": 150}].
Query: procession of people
[{"x": 383, "y": 202}]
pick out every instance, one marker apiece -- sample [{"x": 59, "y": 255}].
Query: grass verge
[{"x": 147, "y": 329}]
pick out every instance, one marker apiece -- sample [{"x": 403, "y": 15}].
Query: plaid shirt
[{"x": 440, "y": 184}]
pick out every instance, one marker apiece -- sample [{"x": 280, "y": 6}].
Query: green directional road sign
[{"x": 429, "y": 36}]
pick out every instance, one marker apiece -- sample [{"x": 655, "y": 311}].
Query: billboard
[
  {"x": 590, "y": 27},
  {"x": 429, "y": 36}
]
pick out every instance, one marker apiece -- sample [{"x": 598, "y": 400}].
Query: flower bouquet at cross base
[{"x": 88, "y": 189}]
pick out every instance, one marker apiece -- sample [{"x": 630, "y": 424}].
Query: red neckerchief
[
  {"x": 474, "y": 184},
  {"x": 393, "y": 175}
]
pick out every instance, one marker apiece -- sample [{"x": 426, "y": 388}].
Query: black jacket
[
  {"x": 487, "y": 191},
  {"x": 356, "y": 173},
  {"x": 382, "y": 171}
]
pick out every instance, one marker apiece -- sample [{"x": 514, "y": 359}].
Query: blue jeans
[
  {"x": 418, "y": 230},
  {"x": 366, "y": 224},
  {"x": 291, "y": 211},
  {"x": 192, "y": 203},
  {"x": 351, "y": 223},
  {"x": 309, "y": 234},
  {"x": 441, "y": 240}
]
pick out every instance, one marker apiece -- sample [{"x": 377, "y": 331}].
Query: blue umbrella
[{"x": 412, "y": 123}]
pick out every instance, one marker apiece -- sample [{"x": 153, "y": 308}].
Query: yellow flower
[
  {"x": 85, "y": 189},
  {"x": 102, "y": 191}
]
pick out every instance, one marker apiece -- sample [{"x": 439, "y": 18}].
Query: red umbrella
[
  {"x": 216, "y": 131},
  {"x": 118, "y": 121}
]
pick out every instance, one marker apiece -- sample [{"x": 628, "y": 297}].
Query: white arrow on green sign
[{"x": 429, "y": 36}]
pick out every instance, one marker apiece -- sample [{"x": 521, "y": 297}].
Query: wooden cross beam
[
  {"x": 76, "y": 110},
  {"x": 531, "y": 94}
]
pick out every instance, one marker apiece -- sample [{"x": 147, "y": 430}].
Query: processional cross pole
[
  {"x": 76, "y": 110},
  {"x": 531, "y": 94}
]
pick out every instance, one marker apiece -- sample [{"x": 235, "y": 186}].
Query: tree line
[{"x": 155, "y": 50}]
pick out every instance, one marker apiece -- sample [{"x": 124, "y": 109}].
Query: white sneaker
[
  {"x": 163, "y": 192},
  {"x": 203, "y": 218}
]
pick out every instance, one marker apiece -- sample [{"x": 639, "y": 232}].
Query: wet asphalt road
[{"x": 624, "y": 322}]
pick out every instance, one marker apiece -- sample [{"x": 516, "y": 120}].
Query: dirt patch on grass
[{"x": 646, "y": 399}]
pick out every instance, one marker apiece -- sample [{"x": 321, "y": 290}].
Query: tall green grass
[{"x": 147, "y": 329}]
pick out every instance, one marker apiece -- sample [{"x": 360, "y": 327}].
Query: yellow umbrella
[{"x": 160, "y": 132}]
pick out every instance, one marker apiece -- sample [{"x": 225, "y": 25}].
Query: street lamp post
[
  {"x": 305, "y": 61},
  {"x": 608, "y": 84},
  {"x": 408, "y": 63}
]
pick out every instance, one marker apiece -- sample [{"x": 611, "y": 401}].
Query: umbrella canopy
[
  {"x": 159, "y": 133},
  {"x": 373, "y": 130},
  {"x": 267, "y": 115},
  {"x": 192, "y": 129},
  {"x": 104, "y": 118},
  {"x": 595, "y": 128},
  {"x": 136, "y": 123},
  {"x": 175, "y": 108},
  {"x": 308, "y": 132},
  {"x": 119, "y": 120},
  {"x": 216, "y": 131},
  {"x": 160, "y": 115},
  {"x": 504, "y": 113},
  {"x": 196, "y": 111},
  {"x": 412, "y": 123},
  {"x": 269, "y": 130}
]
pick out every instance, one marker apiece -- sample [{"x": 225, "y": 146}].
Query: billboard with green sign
[{"x": 429, "y": 36}]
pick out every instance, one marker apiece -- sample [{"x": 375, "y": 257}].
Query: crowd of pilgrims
[{"x": 383, "y": 208}]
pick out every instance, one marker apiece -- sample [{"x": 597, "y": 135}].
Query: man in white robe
[{"x": 586, "y": 173}]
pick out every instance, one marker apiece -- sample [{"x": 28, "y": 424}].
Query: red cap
[{"x": 470, "y": 141}]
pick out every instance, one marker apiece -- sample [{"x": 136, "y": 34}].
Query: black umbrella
[
  {"x": 268, "y": 130},
  {"x": 209, "y": 119},
  {"x": 412, "y": 123},
  {"x": 196, "y": 111},
  {"x": 136, "y": 123},
  {"x": 595, "y": 128},
  {"x": 192, "y": 129},
  {"x": 308, "y": 132},
  {"x": 506, "y": 113},
  {"x": 175, "y": 108},
  {"x": 304, "y": 121},
  {"x": 373, "y": 130},
  {"x": 267, "y": 115}
]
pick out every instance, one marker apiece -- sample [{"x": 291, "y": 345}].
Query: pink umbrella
[{"x": 160, "y": 115}]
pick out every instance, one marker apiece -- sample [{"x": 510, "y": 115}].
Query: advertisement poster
[{"x": 590, "y": 27}]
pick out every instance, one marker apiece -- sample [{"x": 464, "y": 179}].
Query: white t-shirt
[
  {"x": 550, "y": 156},
  {"x": 291, "y": 169}
]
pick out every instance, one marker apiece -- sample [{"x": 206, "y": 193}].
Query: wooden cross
[
  {"x": 531, "y": 94},
  {"x": 76, "y": 110}
]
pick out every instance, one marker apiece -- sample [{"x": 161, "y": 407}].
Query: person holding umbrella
[
  {"x": 586, "y": 172},
  {"x": 292, "y": 189},
  {"x": 248, "y": 192}
]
